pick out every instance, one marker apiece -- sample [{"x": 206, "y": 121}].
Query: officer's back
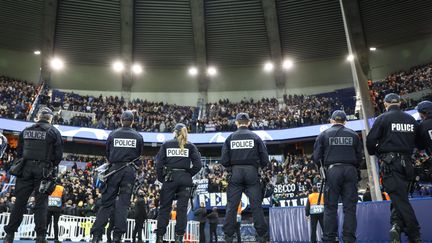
[
  {"x": 393, "y": 131},
  {"x": 425, "y": 129},
  {"x": 124, "y": 145}
]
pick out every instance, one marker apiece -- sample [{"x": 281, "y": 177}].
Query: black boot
[
  {"x": 229, "y": 239},
  {"x": 57, "y": 241},
  {"x": 9, "y": 238},
  {"x": 159, "y": 239},
  {"x": 97, "y": 239},
  {"x": 41, "y": 239},
  {"x": 395, "y": 234},
  {"x": 178, "y": 239}
]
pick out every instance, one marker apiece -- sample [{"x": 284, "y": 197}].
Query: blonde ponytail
[{"x": 182, "y": 137}]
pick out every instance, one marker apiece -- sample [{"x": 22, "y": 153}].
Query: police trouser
[
  {"x": 213, "y": 233},
  {"x": 245, "y": 179},
  {"x": 25, "y": 186},
  {"x": 396, "y": 185},
  {"x": 111, "y": 224},
  {"x": 139, "y": 223},
  {"x": 314, "y": 219},
  {"x": 341, "y": 182},
  {"x": 118, "y": 186},
  {"x": 178, "y": 188},
  {"x": 56, "y": 213},
  {"x": 238, "y": 232}
]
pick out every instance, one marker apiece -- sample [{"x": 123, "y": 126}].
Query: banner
[
  {"x": 202, "y": 186},
  {"x": 219, "y": 200}
]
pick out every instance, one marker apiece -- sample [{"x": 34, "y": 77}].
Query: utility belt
[
  {"x": 168, "y": 172},
  {"x": 41, "y": 163},
  {"x": 388, "y": 160}
]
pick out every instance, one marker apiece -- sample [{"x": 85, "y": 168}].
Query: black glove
[{"x": 359, "y": 178}]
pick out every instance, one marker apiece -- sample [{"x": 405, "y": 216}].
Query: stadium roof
[{"x": 88, "y": 32}]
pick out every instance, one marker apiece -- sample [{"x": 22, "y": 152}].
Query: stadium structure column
[
  {"x": 272, "y": 27},
  {"x": 48, "y": 34},
  {"x": 198, "y": 26},
  {"x": 357, "y": 47},
  {"x": 126, "y": 30}
]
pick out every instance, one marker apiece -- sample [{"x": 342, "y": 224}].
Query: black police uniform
[
  {"x": 243, "y": 153},
  {"x": 172, "y": 158},
  {"x": 41, "y": 148},
  {"x": 123, "y": 146},
  {"x": 392, "y": 138},
  {"x": 424, "y": 136},
  {"x": 340, "y": 150}
]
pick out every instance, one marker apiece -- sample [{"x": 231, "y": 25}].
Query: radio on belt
[{"x": 242, "y": 144}]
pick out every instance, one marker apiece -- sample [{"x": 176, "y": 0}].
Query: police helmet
[
  {"x": 178, "y": 127},
  {"x": 339, "y": 115},
  {"x": 425, "y": 107}
]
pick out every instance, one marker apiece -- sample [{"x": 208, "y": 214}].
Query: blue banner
[
  {"x": 289, "y": 224},
  {"x": 197, "y": 138}
]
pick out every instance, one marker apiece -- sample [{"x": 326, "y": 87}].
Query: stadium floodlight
[
  {"x": 37, "y": 52},
  {"x": 287, "y": 64},
  {"x": 372, "y": 48},
  {"x": 268, "y": 66},
  {"x": 137, "y": 69},
  {"x": 193, "y": 71},
  {"x": 118, "y": 66},
  {"x": 350, "y": 58},
  {"x": 56, "y": 64},
  {"x": 211, "y": 71}
]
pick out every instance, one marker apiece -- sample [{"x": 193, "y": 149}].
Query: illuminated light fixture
[
  {"x": 56, "y": 63},
  {"x": 372, "y": 48},
  {"x": 268, "y": 66},
  {"x": 37, "y": 52},
  {"x": 211, "y": 71},
  {"x": 350, "y": 58},
  {"x": 287, "y": 64},
  {"x": 137, "y": 69},
  {"x": 193, "y": 71},
  {"x": 118, "y": 66}
]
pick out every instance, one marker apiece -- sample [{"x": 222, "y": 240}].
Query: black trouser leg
[
  {"x": 123, "y": 201},
  {"x": 182, "y": 203},
  {"x": 349, "y": 199},
  {"x": 332, "y": 192},
  {"x": 313, "y": 223},
  {"x": 138, "y": 229},
  {"x": 234, "y": 193},
  {"x": 166, "y": 198},
  {"x": 56, "y": 226},
  {"x": 40, "y": 212},
  {"x": 213, "y": 233},
  {"x": 23, "y": 189},
  {"x": 202, "y": 232}
]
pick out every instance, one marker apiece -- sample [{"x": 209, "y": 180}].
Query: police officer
[
  {"x": 392, "y": 138},
  {"x": 314, "y": 213},
  {"x": 243, "y": 153},
  {"x": 55, "y": 203},
  {"x": 424, "y": 108},
  {"x": 175, "y": 171},
  {"x": 339, "y": 150},
  {"x": 3, "y": 144},
  {"x": 41, "y": 148},
  {"x": 124, "y": 145}
]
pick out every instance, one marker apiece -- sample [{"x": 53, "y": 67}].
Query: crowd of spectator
[
  {"x": 16, "y": 98},
  {"x": 293, "y": 111},
  {"x": 416, "y": 79},
  {"x": 149, "y": 116}
]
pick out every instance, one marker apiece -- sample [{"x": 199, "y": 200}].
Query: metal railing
[{"x": 77, "y": 229}]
